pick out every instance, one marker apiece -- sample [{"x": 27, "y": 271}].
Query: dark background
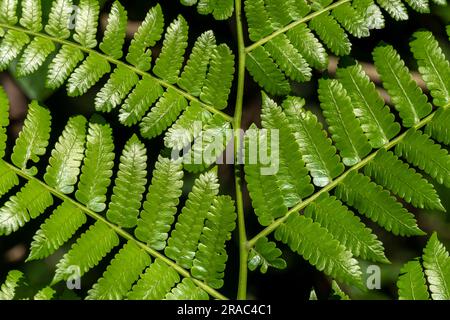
[{"x": 298, "y": 279}]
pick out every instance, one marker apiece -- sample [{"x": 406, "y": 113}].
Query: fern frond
[
  {"x": 387, "y": 170},
  {"x": 97, "y": 167},
  {"x": 31, "y": 15},
  {"x": 8, "y": 288},
  {"x": 419, "y": 5},
  {"x": 65, "y": 161},
  {"x": 377, "y": 204},
  {"x": 331, "y": 33},
  {"x": 86, "y": 23},
  {"x": 436, "y": 262},
  {"x": 326, "y": 254},
  {"x": 316, "y": 148},
  {"x": 344, "y": 127},
  {"x": 59, "y": 16},
  {"x": 438, "y": 128},
  {"x": 4, "y": 121},
  {"x": 46, "y": 293},
  {"x": 115, "y": 32},
  {"x": 350, "y": 19},
  {"x": 407, "y": 97},
  {"x": 160, "y": 206},
  {"x": 87, "y": 252},
  {"x": 120, "y": 275},
  {"x": 345, "y": 227},
  {"x": 29, "y": 203},
  {"x": 155, "y": 283},
  {"x": 129, "y": 185},
  {"x": 395, "y": 8},
  {"x": 211, "y": 256},
  {"x": 183, "y": 241},
  {"x": 265, "y": 254},
  {"x": 433, "y": 66},
  {"x": 418, "y": 149},
  {"x": 56, "y": 230},
  {"x": 63, "y": 65},
  {"x": 377, "y": 122},
  {"x": 8, "y": 11},
  {"x": 11, "y": 46},
  {"x": 411, "y": 282},
  {"x": 187, "y": 290},
  {"x": 34, "y": 56},
  {"x": 33, "y": 139},
  {"x": 8, "y": 178}
]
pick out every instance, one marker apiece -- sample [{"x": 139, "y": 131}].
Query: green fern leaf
[
  {"x": 292, "y": 177},
  {"x": 347, "y": 228},
  {"x": 160, "y": 207},
  {"x": 8, "y": 11},
  {"x": 56, "y": 230},
  {"x": 29, "y": 203},
  {"x": 8, "y": 178},
  {"x": 120, "y": 275},
  {"x": 187, "y": 290},
  {"x": 129, "y": 185},
  {"x": 259, "y": 22},
  {"x": 344, "y": 127},
  {"x": 11, "y": 46},
  {"x": 97, "y": 168},
  {"x": 433, "y": 66},
  {"x": 147, "y": 35},
  {"x": 194, "y": 75},
  {"x": 421, "y": 6},
  {"x": 8, "y": 288},
  {"x": 418, "y": 149},
  {"x": 350, "y": 19},
  {"x": 121, "y": 82},
  {"x": 184, "y": 239},
  {"x": 171, "y": 59},
  {"x": 146, "y": 92},
  {"x": 395, "y": 8},
  {"x": 4, "y": 121},
  {"x": 438, "y": 128},
  {"x": 86, "y": 23},
  {"x": 65, "y": 161},
  {"x": 407, "y": 97},
  {"x": 370, "y": 12},
  {"x": 211, "y": 256},
  {"x": 155, "y": 283},
  {"x": 377, "y": 204},
  {"x": 33, "y": 139},
  {"x": 58, "y": 19},
  {"x": 387, "y": 170},
  {"x": 377, "y": 122},
  {"x": 221, "y": 10},
  {"x": 220, "y": 77},
  {"x": 87, "y": 74},
  {"x": 166, "y": 111},
  {"x": 265, "y": 254},
  {"x": 334, "y": 37},
  {"x": 262, "y": 68},
  {"x": 411, "y": 282},
  {"x": 31, "y": 15},
  {"x": 45, "y": 294},
  {"x": 115, "y": 32},
  {"x": 437, "y": 268},
  {"x": 63, "y": 65},
  {"x": 34, "y": 56},
  {"x": 87, "y": 252},
  {"x": 326, "y": 254}
]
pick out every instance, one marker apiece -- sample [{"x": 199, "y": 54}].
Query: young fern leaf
[
  {"x": 345, "y": 227},
  {"x": 377, "y": 204},
  {"x": 387, "y": 170},
  {"x": 438, "y": 128},
  {"x": 411, "y": 282},
  {"x": 436, "y": 262},
  {"x": 129, "y": 185},
  {"x": 407, "y": 97},
  {"x": 155, "y": 283},
  {"x": 187, "y": 290},
  {"x": 211, "y": 256},
  {"x": 327, "y": 255},
  {"x": 120, "y": 275},
  {"x": 433, "y": 66},
  {"x": 56, "y": 230},
  {"x": 8, "y": 288},
  {"x": 343, "y": 125},
  {"x": 87, "y": 252},
  {"x": 159, "y": 209},
  {"x": 265, "y": 254},
  {"x": 97, "y": 167},
  {"x": 65, "y": 161},
  {"x": 33, "y": 139},
  {"x": 184, "y": 239}
]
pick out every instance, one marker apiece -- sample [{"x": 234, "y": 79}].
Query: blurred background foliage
[{"x": 299, "y": 277}]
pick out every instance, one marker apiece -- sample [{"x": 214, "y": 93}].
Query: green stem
[
  {"x": 123, "y": 64},
  {"x": 293, "y": 25},
  {"x": 243, "y": 248},
  {"x": 272, "y": 227},
  {"x": 119, "y": 231}
]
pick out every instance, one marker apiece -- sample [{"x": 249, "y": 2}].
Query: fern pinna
[{"x": 361, "y": 157}]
